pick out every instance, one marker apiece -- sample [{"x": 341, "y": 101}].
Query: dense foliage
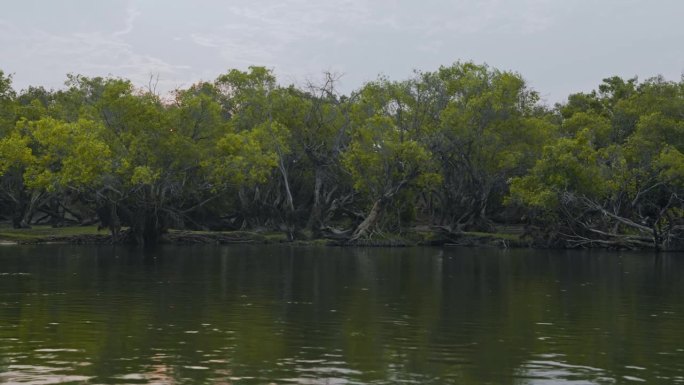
[{"x": 461, "y": 148}]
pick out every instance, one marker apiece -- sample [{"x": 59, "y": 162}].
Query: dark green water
[{"x": 280, "y": 315}]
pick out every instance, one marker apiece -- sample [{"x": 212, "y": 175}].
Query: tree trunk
[
  {"x": 146, "y": 227},
  {"x": 289, "y": 215},
  {"x": 18, "y": 219},
  {"x": 109, "y": 218},
  {"x": 371, "y": 220},
  {"x": 288, "y": 192},
  {"x": 364, "y": 229},
  {"x": 25, "y": 208},
  {"x": 245, "y": 208},
  {"x": 114, "y": 222},
  {"x": 314, "y": 221}
]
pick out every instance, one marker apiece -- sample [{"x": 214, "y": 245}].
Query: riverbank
[{"x": 508, "y": 238}]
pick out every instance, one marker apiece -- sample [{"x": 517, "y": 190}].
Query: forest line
[{"x": 465, "y": 147}]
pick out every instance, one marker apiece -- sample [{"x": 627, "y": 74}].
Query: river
[{"x": 307, "y": 315}]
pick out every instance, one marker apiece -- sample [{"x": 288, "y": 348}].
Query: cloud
[
  {"x": 88, "y": 53},
  {"x": 483, "y": 16},
  {"x": 295, "y": 37},
  {"x": 187, "y": 41},
  {"x": 132, "y": 13},
  {"x": 203, "y": 40}
]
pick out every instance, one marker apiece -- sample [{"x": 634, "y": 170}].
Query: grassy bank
[
  {"x": 91, "y": 235},
  {"x": 41, "y": 234}
]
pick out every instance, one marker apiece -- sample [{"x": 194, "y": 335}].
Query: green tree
[
  {"x": 491, "y": 130},
  {"x": 614, "y": 181},
  {"x": 385, "y": 157},
  {"x": 48, "y": 157}
]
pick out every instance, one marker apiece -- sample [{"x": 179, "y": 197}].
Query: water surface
[{"x": 293, "y": 315}]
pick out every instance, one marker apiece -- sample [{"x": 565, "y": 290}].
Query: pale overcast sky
[{"x": 559, "y": 46}]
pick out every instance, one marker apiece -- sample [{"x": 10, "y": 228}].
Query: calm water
[{"x": 281, "y": 315}]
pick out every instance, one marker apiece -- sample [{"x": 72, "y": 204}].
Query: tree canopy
[{"x": 465, "y": 147}]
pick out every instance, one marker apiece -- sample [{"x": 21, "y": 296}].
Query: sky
[{"x": 558, "y": 46}]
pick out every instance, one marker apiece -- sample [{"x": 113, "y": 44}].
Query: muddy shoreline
[{"x": 184, "y": 237}]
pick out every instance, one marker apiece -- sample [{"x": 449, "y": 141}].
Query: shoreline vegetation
[
  {"x": 451, "y": 156},
  {"x": 91, "y": 235}
]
